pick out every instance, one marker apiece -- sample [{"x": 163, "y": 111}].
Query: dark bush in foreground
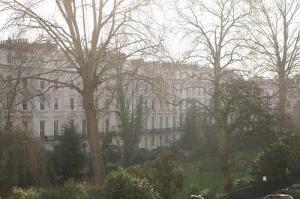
[
  {"x": 70, "y": 190},
  {"x": 23, "y": 161},
  {"x": 278, "y": 160},
  {"x": 122, "y": 185},
  {"x": 165, "y": 176},
  {"x": 67, "y": 158},
  {"x": 209, "y": 193}
]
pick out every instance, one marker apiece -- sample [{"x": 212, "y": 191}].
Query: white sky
[{"x": 163, "y": 14}]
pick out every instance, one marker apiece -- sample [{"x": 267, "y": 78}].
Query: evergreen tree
[
  {"x": 67, "y": 156},
  {"x": 131, "y": 123},
  {"x": 192, "y": 130}
]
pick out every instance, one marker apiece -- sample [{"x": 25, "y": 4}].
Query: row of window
[
  {"x": 58, "y": 128},
  {"x": 25, "y": 83},
  {"x": 56, "y": 104},
  {"x": 164, "y": 122},
  {"x": 189, "y": 91},
  {"x": 164, "y": 106},
  {"x": 163, "y": 140}
]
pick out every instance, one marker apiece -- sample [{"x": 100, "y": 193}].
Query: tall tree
[
  {"x": 131, "y": 119},
  {"x": 215, "y": 42},
  {"x": 192, "y": 137},
  {"x": 274, "y": 39},
  {"x": 90, "y": 35},
  {"x": 68, "y": 158}
]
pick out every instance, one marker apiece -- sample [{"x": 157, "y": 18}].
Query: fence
[{"x": 260, "y": 189}]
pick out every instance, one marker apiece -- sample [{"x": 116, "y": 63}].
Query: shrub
[
  {"x": 209, "y": 193},
  {"x": 23, "y": 161},
  {"x": 111, "y": 152},
  {"x": 141, "y": 155},
  {"x": 277, "y": 160},
  {"x": 32, "y": 193},
  {"x": 70, "y": 190},
  {"x": 162, "y": 172},
  {"x": 242, "y": 182},
  {"x": 67, "y": 158},
  {"x": 192, "y": 139},
  {"x": 121, "y": 184}
]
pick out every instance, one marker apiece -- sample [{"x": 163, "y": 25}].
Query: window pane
[
  {"x": 56, "y": 104},
  {"x": 153, "y": 122},
  {"x": 42, "y": 128},
  {"x": 83, "y": 126},
  {"x": 55, "y": 128},
  {"x": 24, "y": 106},
  {"x": 42, "y": 103},
  {"x": 161, "y": 120},
  {"x": 72, "y": 104},
  {"x": 152, "y": 141}
]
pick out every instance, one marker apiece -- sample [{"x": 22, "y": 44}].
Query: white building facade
[{"x": 44, "y": 107}]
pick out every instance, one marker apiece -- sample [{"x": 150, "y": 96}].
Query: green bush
[
  {"x": 23, "y": 161},
  {"x": 32, "y": 193},
  {"x": 192, "y": 139},
  {"x": 122, "y": 185},
  {"x": 162, "y": 172},
  {"x": 67, "y": 158},
  {"x": 70, "y": 190},
  {"x": 141, "y": 155},
  {"x": 278, "y": 160},
  {"x": 242, "y": 182},
  {"x": 209, "y": 193}
]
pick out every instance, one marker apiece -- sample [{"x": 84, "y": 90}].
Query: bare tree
[
  {"x": 213, "y": 29},
  {"x": 274, "y": 40},
  {"x": 18, "y": 58},
  {"x": 91, "y": 35}
]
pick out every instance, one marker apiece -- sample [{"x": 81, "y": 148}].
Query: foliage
[
  {"x": 32, "y": 193},
  {"x": 278, "y": 159},
  {"x": 192, "y": 139},
  {"x": 70, "y": 190},
  {"x": 242, "y": 182},
  {"x": 243, "y": 114},
  {"x": 68, "y": 159},
  {"x": 295, "y": 118},
  {"x": 141, "y": 155},
  {"x": 166, "y": 178},
  {"x": 22, "y": 161},
  {"x": 131, "y": 123},
  {"x": 111, "y": 152},
  {"x": 121, "y": 184},
  {"x": 209, "y": 193}
]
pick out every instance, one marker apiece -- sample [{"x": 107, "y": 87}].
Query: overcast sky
[{"x": 162, "y": 14}]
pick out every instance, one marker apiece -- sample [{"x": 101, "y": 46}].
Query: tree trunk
[
  {"x": 226, "y": 158},
  {"x": 282, "y": 103},
  {"x": 94, "y": 139},
  {"x": 225, "y": 154},
  {"x": 227, "y": 178}
]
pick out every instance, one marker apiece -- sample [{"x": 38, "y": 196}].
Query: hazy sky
[{"x": 161, "y": 13}]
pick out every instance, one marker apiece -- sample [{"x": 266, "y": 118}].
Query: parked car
[
  {"x": 293, "y": 190},
  {"x": 278, "y": 196}
]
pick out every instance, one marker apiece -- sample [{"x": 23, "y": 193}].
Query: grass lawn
[{"x": 200, "y": 179}]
